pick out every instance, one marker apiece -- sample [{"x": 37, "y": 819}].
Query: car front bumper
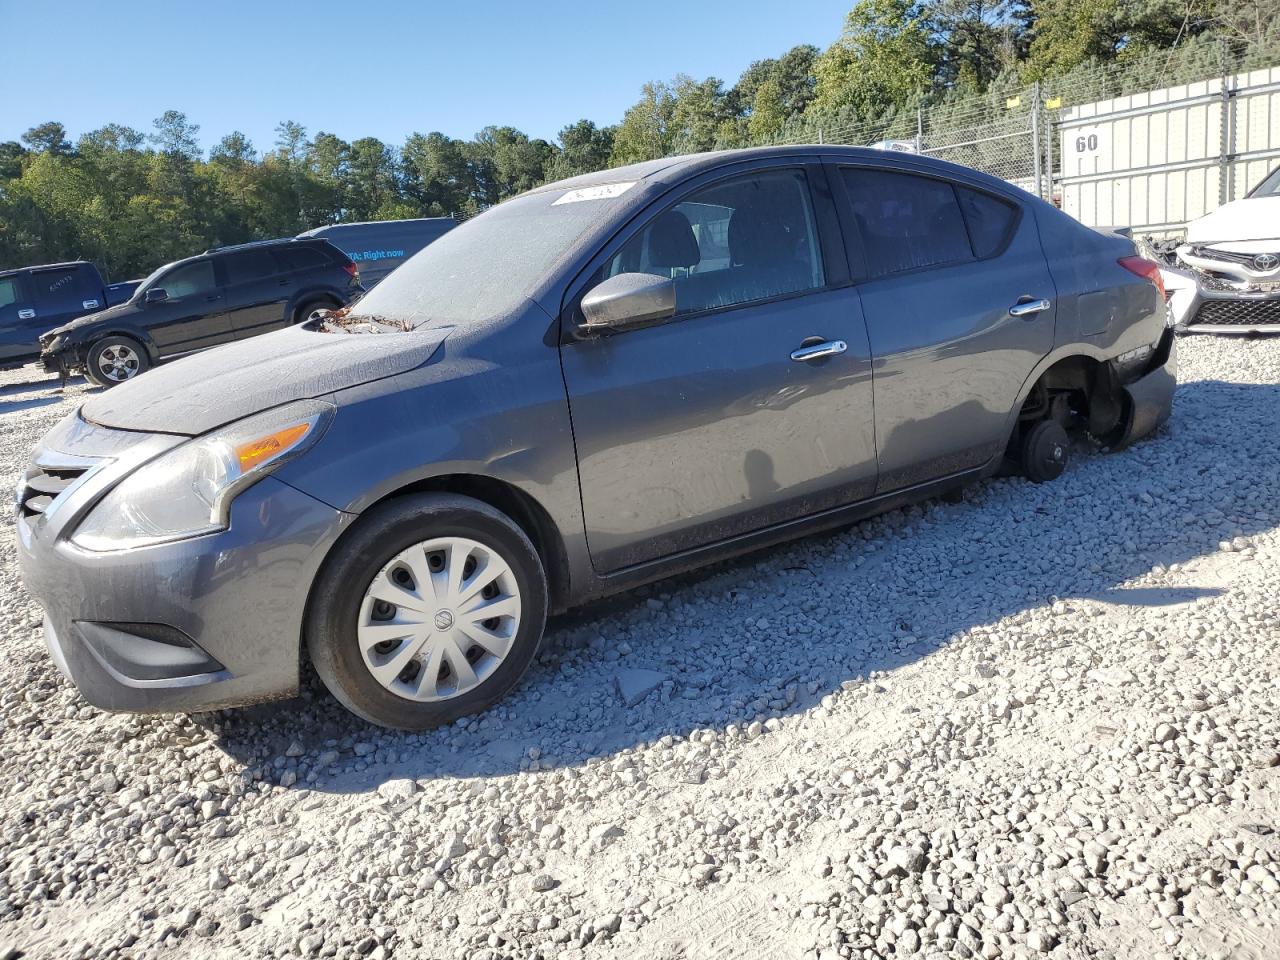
[
  {"x": 1200, "y": 306},
  {"x": 198, "y": 624}
]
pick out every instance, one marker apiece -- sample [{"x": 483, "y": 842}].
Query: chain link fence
[{"x": 1015, "y": 134}]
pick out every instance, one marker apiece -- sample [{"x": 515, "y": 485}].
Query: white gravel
[{"x": 1043, "y": 722}]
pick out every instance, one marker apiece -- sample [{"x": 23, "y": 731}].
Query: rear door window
[
  {"x": 64, "y": 290},
  {"x": 907, "y": 222},
  {"x": 742, "y": 240},
  {"x": 248, "y": 266},
  {"x": 188, "y": 280}
]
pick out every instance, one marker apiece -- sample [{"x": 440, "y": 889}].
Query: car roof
[
  {"x": 45, "y": 266},
  {"x": 670, "y": 169},
  {"x": 257, "y": 244},
  {"x": 315, "y": 232}
]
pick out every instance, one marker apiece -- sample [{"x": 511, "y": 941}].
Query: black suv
[{"x": 225, "y": 294}]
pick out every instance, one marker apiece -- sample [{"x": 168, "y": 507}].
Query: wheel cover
[
  {"x": 438, "y": 619},
  {"x": 117, "y": 363}
]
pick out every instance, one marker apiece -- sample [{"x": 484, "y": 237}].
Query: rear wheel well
[
  {"x": 527, "y": 513},
  {"x": 1078, "y": 392}
]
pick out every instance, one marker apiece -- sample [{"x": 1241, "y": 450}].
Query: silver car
[{"x": 593, "y": 385}]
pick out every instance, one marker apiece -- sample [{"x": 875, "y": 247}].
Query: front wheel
[
  {"x": 113, "y": 360},
  {"x": 312, "y": 310},
  {"x": 430, "y": 609}
]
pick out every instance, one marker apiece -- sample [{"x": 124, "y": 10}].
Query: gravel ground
[{"x": 1040, "y": 722}]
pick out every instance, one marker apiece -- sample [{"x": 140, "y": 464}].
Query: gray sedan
[{"x": 590, "y": 386}]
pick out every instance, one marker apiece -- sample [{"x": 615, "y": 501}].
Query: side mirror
[
  {"x": 628, "y": 300},
  {"x": 156, "y": 295}
]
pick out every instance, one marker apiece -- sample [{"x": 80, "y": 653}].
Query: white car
[{"x": 1225, "y": 277}]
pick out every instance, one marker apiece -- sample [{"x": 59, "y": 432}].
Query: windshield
[
  {"x": 1269, "y": 187},
  {"x": 487, "y": 266}
]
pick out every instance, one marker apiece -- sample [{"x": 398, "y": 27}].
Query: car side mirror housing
[
  {"x": 628, "y": 300},
  {"x": 156, "y": 295}
]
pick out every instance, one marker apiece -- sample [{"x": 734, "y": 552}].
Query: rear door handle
[
  {"x": 816, "y": 351},
  {"x": 1029, "y": 308}
]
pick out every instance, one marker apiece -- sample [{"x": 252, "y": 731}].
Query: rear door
[
  {"x": 193, "y": 316},
  {"x": 20, "y": 325},
  {"x": 257, "y": 288},
  {"x": 713, "y": 423},
  {"x": 960, "y": 308}
]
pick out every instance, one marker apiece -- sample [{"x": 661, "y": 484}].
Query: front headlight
[{"x": 188, "y": 491}]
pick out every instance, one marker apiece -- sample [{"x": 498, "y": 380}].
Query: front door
[
  {"x": 705, "y": 426},
  {"x": 960, "y": 308},
  {"x": 192, "y": 315}
]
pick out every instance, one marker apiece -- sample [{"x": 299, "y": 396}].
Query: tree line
[{"x": 130, "y": 200}]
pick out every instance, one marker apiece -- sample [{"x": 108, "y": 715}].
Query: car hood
[
  {"x": 118, "y": 312},
  {"x": 1256, "y": 218},
  {"x": 199, "y": 393}
]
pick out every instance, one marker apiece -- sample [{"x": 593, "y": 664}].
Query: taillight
[{"x": 1148, "y": 270}]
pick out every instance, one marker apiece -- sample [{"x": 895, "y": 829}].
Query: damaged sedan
[
  {"x": 593, "y": 385},
  {"x": 1225, "y": 276}
]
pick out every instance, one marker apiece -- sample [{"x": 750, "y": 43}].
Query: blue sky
[{"x": 370, "y": 68}]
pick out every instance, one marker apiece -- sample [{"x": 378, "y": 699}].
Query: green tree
[
  {"x": 646, "y": 129},
  {"x": 883, "y": 60},
  {"x": 48, "y": 137},
  {"x": 435, "y": 174},
  {"x": 584, "y": 148}
]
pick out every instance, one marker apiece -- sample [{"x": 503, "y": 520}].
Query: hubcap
[
  {"x": 117, "y": 363},
  {"x": 438, "y": 619}
]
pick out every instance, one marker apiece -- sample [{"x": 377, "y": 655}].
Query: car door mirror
[
  {"x": 157, "y": 295},
  {"x": 628, "y": 300}
]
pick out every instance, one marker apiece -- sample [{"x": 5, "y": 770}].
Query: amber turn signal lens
[{"x": 264, "y": 448}]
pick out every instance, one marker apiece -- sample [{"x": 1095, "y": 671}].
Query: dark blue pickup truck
[{"x": 36, "y": 299}]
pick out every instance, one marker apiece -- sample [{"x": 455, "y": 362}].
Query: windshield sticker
[{"x": 604, "y": 192}]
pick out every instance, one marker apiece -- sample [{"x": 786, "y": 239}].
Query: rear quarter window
[
  {"x": 303, "y": 258},
  {"x": 990, "y": 221}
]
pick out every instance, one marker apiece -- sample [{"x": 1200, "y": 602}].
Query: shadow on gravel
[
  {"x": 750, "y": 636},
  {"x": 13, "y": 406},
  {"x": 44, "y": 383}
]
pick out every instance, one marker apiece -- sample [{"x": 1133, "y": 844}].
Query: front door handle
[
  {"x": 816, "y": 351},
  {"x": 1029, "y": 308},
  {"x": 26, "y": 314}
]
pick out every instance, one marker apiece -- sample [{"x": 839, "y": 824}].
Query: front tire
[
  {"x": 431, "y": 608},
  {"x": 113, "y": 360},
  {"x": 313, "y": 310}
]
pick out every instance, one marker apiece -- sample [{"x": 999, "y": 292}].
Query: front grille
[
  {"x": 1229, "y": 256},
  {"x": 1238, "y": 313},
  {"x": 42, "y": 486}
]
